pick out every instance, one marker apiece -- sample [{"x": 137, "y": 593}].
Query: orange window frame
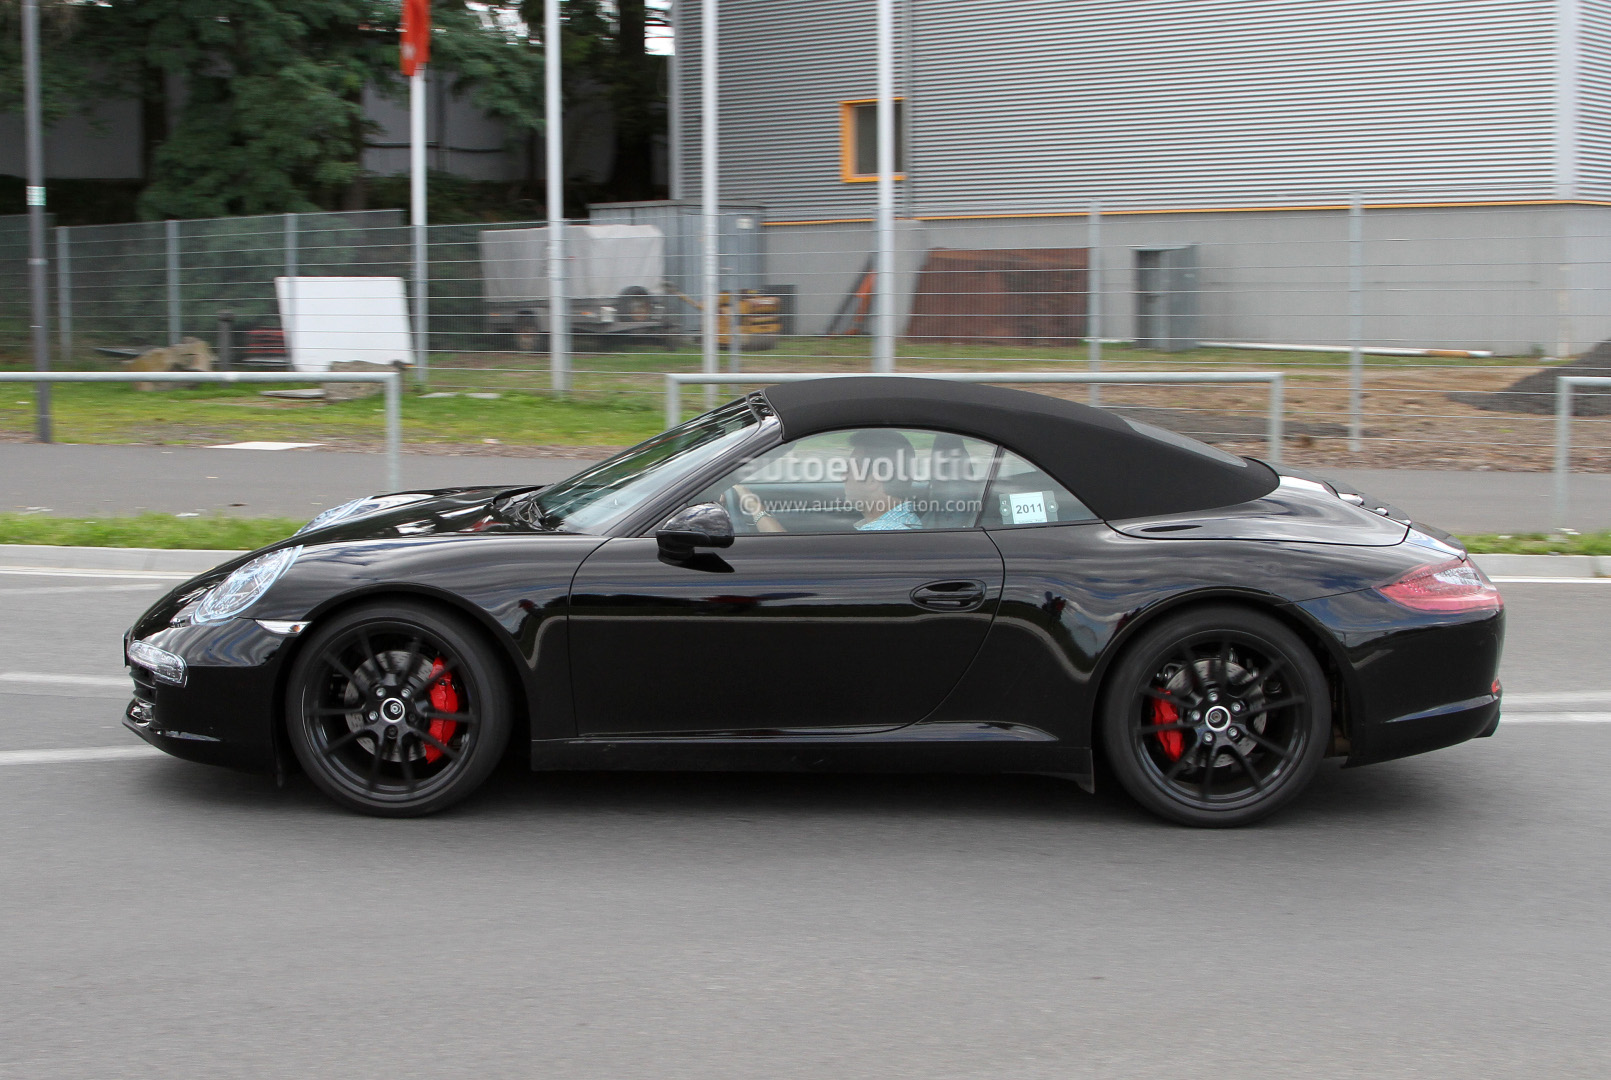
[{"x": 847, "y": 141}]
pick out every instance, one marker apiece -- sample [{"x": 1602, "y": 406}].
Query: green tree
[
  {"x": 64, "y": 80},
  {"x": 256, "y": 106}
]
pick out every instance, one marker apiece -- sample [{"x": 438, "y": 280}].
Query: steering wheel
[{"x": 742, "y": 522}]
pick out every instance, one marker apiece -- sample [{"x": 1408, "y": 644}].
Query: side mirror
[{"x": 703, "y": 525}]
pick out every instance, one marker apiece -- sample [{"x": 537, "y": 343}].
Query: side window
[
  {"x": 862, "y": 480},
  {"x": 1023, "y": 494}
]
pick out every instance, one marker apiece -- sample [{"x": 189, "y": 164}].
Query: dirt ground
[{"x": 1409, "y": 421}]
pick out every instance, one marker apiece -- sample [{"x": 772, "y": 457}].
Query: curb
[
  {"x": 1544, "y": 566},
  {"x": 158, "y": 560},
  {"x": 162, "y": 560}
]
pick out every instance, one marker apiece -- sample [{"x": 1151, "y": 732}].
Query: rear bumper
[
  {"x": 1411, "y": 682},
  {"x": 1433, "y": 729}
]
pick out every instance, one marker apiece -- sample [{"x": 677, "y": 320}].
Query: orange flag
[{"x": 416, "y": 35}]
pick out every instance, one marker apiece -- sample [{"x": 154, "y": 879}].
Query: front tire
[
  {"x": 397, "y": 709},
  {"x": 1216, "y": 717}
]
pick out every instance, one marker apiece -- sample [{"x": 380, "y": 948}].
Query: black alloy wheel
[
  {"x": 397, "y": 709},
  {"x": 1216, "y": 717}
]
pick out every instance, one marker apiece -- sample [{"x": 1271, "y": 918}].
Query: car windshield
[{"x": 600, "y": 498}]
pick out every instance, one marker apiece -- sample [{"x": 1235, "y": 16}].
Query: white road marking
[
  {"x": 76, "y": 754},
  {"x": 1558, "y": 697},
  {"x": 1551, "y": 580},
  {"x": 1554, "y": 718},
  {"x": 264, "y": 446},
  {"x": 53, "y": 679},
  {"x": 130, "y": 575},
  {"x": 58, "y": 590}
]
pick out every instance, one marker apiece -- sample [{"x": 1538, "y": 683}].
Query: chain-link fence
[{"x": 1410, "y": 336}]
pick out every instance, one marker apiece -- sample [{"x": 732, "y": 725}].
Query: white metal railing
[
  {"x": 1564, "y": 385},
  {"x": 1274, "y": 379},
  {"x": 392, "y": 381}
]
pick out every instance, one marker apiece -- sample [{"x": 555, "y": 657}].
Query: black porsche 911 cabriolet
[{"x": 865, "y": 573}]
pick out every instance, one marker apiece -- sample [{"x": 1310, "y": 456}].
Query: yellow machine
[{"x": 760, "y": 318}]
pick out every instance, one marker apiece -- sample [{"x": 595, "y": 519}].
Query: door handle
[{"x": 949, "y": 595}]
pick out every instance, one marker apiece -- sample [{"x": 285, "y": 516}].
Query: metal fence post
[
  {"x": 1563, "y": 447},
  {"x": 1278, "y": 404},
  {"x": 171, "y": 228},
  {"x": 1093, "y": 293},
  {"x": 734, "y": 322},
  {"x": 884, "y": 281},
  {"x": 673, "y": 401},
  {"x": 559, "y": 304},
  {"x": 64, "y": 295},
  {"x": 288, "y": 315},
  {"x": 1356, "y": 324},
  {"x": 394, "y": 430},
  {"x": 709, "y": 21},
  {"x": 417, "y": 218}
]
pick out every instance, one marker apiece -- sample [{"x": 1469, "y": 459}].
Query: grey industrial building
[{"x": 1229, "y": 135}]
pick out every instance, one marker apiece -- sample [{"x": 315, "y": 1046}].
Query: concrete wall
[
  {"x": 1514, "y": 280},
  {"x": 103, "y": 145}
]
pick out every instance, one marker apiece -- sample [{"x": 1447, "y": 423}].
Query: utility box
[{"x": 1166, "y": 298}]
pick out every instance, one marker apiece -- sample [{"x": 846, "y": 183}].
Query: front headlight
[
  {"x": 167, "y": 666},
  {"x": 369, "y": 504},
  {"x": 242, "y": 589}
]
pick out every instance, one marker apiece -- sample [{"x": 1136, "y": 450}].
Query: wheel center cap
[
  {"x": 393, "y": 710},
  {"x": 1218, "y": 718}
]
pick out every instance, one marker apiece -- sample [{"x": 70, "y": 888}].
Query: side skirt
[{"x": 939, "y": 748}]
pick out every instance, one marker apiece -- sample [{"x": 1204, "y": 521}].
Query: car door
[{"x": 827, "y": 627}]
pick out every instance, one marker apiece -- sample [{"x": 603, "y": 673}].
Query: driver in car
[{"x": 877, "y": 485}]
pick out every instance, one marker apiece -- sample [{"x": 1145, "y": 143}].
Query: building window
[{"x": 858, "y": 140}]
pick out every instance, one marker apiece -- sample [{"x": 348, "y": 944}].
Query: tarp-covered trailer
[{"x": 616, "y": 282}]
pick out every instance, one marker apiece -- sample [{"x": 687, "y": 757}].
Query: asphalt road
[
  {"x": 79, "y": 480},
  {"x": 1435, "y": 917}
]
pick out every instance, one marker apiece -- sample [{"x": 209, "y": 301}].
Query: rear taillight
[{"x": 1453, "y": 586}]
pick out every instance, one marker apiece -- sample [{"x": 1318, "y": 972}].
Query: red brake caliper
[
  {"x": 1173, "y": 741},
  {"x": 444, "y": 698}
]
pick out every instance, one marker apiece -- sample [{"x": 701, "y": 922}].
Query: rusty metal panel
[{"x": 1002, "y": 296}]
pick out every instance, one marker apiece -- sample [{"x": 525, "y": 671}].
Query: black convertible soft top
[{"x": 1119, "y": 469}]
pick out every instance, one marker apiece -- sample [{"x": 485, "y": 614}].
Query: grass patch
[
  {"x": 147, "y": 530},
  {"x": 89, "y": 413},
  {"x": 1594, "y": 543}
]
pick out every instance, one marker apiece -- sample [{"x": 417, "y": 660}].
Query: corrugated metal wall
[
  {"x": 1043, "y": 104},
  {"x": 784, "y": 70},
  {"x": 1593, "y": 98}
]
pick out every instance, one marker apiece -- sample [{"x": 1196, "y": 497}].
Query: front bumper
[{"x": 227, "y": 712}]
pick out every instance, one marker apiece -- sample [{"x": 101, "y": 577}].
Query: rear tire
[
  {"x": 397, "y": 709},
  {"x": 1216, "y": 717}
]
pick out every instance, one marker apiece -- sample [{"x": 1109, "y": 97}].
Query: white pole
[
  {"x": 884, "y": 281},
  {"x": 38, "y": 297},
  {"x": 416, "y": 167},
  {"x": 559, "y": 307},
  {"x": 1356, "y": 324},
  {"x": 710, "y": 358},
  {"x": 1093, "y": 293}
]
